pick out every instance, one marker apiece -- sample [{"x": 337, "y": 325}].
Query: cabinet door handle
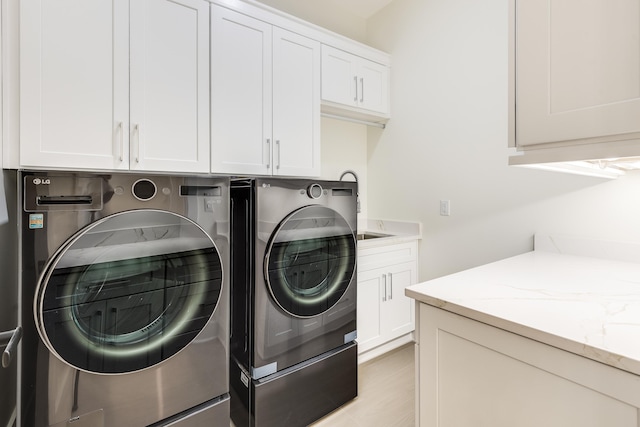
[
  {"x": 384, "y": 294},
  {"x": 120, "y": 141},
  {"x": 278, "y": 148},
  {"x": 268, "y": 153},
  {"x": 355, "y": 82},
  {"x": 361, "y": 89},
  {"x": 390, "y": 285},
  {"x": 136, "y": 131}
]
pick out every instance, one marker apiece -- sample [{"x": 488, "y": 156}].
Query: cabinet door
[
  {"x": 74, "y": 83},
  {"x": 368, "y": 309},
  {"x": 170, "y": 85},
  {"x": 296, "y": 104},
  {"x": 373, "y": 86},
  {"x": 240, "y": 93},
  {"x": 397, "y": 310},
  {"x": 339, "y": 76},
  {"x": 577, "y": 68}
]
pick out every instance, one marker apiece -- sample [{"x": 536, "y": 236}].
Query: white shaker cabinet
[
  {"x": 354, "y": 81},
  {"x": 473, "y": 374},
  {"x": 112, "y": 84},
  {"x": 265, "y": 98},
  {"x": 577, "y": 76},
  {"x": 384, "y": 312}
]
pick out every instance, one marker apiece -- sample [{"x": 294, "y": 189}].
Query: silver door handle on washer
[{"x": 11, "y": 339}]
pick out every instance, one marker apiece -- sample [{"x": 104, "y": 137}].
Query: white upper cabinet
[
  {"x": 577, "y": 74},
  {"x": 108, "y": 87},
  {"x": 265, "y": 98},
  {"x": 169, "y": 128},
  {"x": 74, "y": 83},
  {"x": 355, "y": 82},
  {"x": 296, "y": 104}
]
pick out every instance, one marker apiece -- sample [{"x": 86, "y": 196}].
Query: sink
[{"x": 369, "y": 235}]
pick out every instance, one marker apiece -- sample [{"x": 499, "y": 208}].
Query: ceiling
[{"x": 361, "y": 8}]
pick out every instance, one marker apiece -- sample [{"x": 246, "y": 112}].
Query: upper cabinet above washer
[
  {"x": 265, "y": 98},
  {"x": 576, "y": 87},
  {"x": 113, "y": 84},
  {"x": 354, "y": 83}
]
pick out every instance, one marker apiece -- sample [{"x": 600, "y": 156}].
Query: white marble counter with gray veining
[
  {"x": 388, "y": 232},
  {"x": 586, "y": 303}
]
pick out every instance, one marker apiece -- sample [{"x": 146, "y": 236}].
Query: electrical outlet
[{"x": 445, "y": 207}]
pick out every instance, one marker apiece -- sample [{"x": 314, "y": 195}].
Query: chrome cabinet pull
[
  {"x": 355, "y": 82},
  {"x": 390, "y": 286},
  {"x": 268, "y": 153},
  {"x": 11, "y": 338},
  {"x": 384, "y": 295},
  {"x": 361, "y": 89},
  {"x": 136, "y": 130},
  {"x": 278, "y": 148},
  {"x": 121, "y": 141}
]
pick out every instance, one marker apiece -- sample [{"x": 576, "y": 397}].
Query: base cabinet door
[
  {"x": 471, "y": 374},
  {"x": 384, "y": 312}
]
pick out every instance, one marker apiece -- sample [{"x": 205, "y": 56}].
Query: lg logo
[{"x": 44, "y": 181}]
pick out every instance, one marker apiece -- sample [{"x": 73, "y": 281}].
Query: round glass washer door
[
  {"x": 128, "y": 291},
  {"x": 310, "y": 261}
]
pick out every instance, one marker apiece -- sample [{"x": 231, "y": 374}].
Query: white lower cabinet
[
  {"x": 471, "y": 374},
  {"x": 384, "y": 312}
]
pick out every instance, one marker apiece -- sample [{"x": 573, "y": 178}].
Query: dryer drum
[
  {"x": 118, "y": 299},
  {"x": 310, "y": 261}
]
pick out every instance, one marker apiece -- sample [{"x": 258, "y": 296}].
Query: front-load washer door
[
  {"x": 128, "y": 291},
  {"x": 310, "y": 261}
]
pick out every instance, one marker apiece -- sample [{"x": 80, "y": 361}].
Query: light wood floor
[{"x": 386, "y": 394}]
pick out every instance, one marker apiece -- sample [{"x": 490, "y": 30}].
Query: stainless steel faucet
[{"x": 347, "y": 172}]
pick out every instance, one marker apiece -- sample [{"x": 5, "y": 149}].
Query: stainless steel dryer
[
  {"x": 294, "y": 357},
  {"x": 124, "y": 300}
]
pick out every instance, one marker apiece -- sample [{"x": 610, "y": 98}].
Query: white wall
[
  {"x": 344, "y": 147},
  {"x": 325, "y": 13},
  {"x": 447, "y": 139}
]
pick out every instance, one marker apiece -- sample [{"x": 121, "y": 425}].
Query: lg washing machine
[
  {"x": 125, "y": 291},
  {"x": 294, "y": 356}
]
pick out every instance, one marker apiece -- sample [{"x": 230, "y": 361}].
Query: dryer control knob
[{"x": 314, "y": 191}]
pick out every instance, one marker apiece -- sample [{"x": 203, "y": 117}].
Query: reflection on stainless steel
[{"x": 125, "y": 300}]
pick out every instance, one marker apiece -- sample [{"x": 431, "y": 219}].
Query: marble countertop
[
  {"x": 587, "y": 304},
  {"x": 392, "y": 232}
]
